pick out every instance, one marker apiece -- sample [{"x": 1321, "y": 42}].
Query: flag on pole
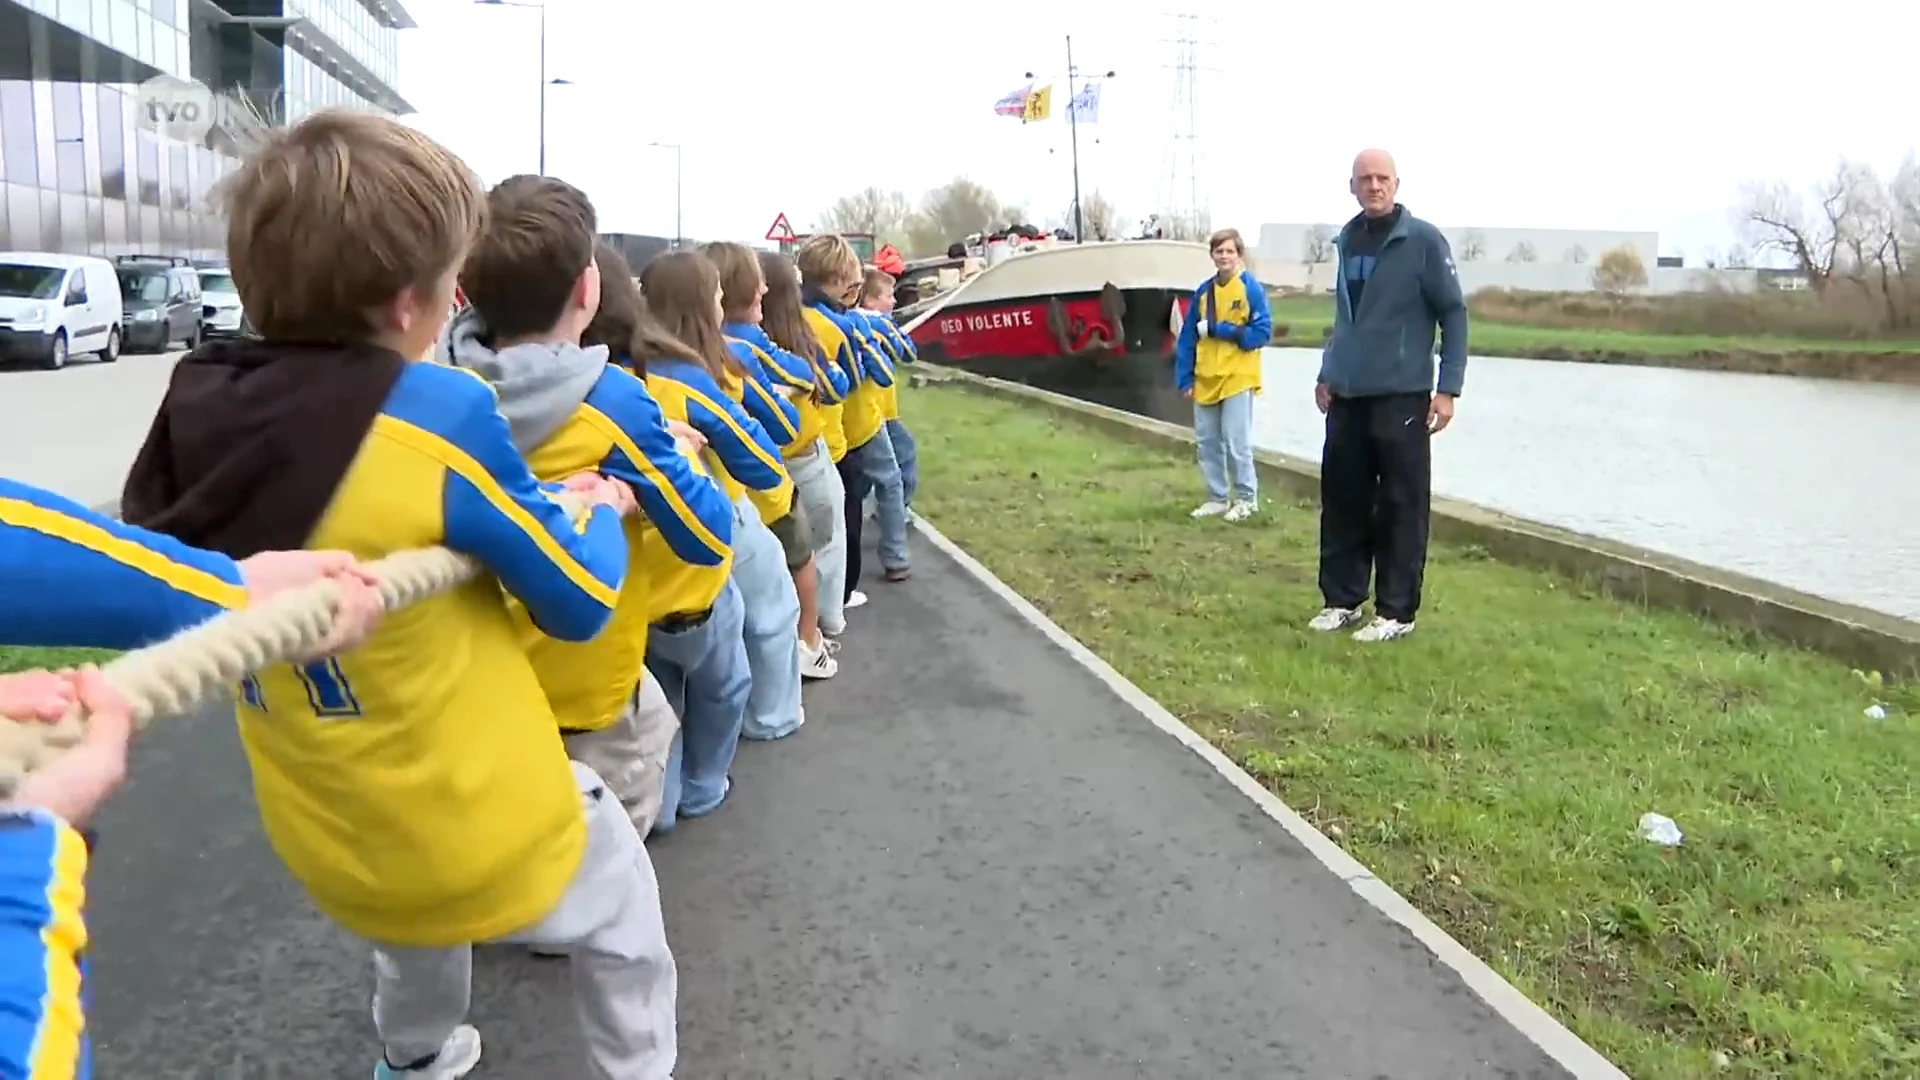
[
  {"x": 1085, "y": 106},
  {"x": 1013, "y": 102},
  {"x": 1039, "y": 104}
]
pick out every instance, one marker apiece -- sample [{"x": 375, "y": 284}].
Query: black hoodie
[{"x": 252, "y": 440}]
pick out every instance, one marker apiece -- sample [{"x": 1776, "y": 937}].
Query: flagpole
[{"x": 1073, "y": 136}]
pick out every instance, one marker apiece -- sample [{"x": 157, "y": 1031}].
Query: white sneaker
[
  {"x": 1331, "y": 619},
  {"x": 457, "y": 1057},
  {"x": 1383, "y": 629},
  {"x": 1239, "y": 511},
  {"x": 818, "y": 661},
  {"x": 858, "y": 599},
  {"x": 1211, "y": 508}
]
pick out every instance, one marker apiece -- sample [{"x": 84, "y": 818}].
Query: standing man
[{"x": 1396, "y": 284}]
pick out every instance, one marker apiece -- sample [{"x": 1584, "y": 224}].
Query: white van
[{"x": 52, "y": 306}]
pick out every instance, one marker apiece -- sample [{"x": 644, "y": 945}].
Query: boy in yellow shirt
[{"x": 415, "y": 786}]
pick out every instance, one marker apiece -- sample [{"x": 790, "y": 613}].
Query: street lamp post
[
  {"x": 679, "y": 236},
  {"x": 545, "y": 82}
]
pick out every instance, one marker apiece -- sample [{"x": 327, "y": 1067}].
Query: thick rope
[{"x": 200, "y": 665}]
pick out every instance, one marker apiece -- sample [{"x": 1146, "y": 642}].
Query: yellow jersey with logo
[
  {"x": 417, "y": 786},
  {"x": 1222, "y": 368}
]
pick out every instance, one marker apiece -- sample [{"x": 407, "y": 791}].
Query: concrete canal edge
[
  {"x": 1535, "y": 1024},
  {"x": 1864, "y": 639}
]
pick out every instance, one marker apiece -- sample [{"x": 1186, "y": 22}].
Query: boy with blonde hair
[
  {"x": 415, "y": 786},
  {"x": 830, "y": 281}
]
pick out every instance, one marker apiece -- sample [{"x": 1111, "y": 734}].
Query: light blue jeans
[
  {"x": 825, "y": 498},
  {"x": 879, "y": 472},
  {"x": 703, "y": 671},
  {"x": 772, "y": 626},
  {"x": 1224, "y": 432},
  {"x": 907, "y": 452}
]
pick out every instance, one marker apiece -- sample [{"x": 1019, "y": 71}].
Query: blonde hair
[
  {"x": 1222, "y": 236},
  {"x": 336, "y": 216},
  {"x": 825, "y": 258}
]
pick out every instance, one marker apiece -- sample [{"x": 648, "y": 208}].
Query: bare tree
[
  {"x": 1196, "y": 226},
  {"x": 1619, "y": 270},
  {"x": 953, "y": 211},
  {"x": 1774, "y": 217},
  {"x": 884, "y": 214},
  {"x": 1318, "y": 245},
  {"x": 1098, "y": 215},
  {"x": 1522, "y": 253},
  {"x": 1576, "y": 255},
  {"x": 1473, "y": 246},
  {"x": 1737, "y": 257}
]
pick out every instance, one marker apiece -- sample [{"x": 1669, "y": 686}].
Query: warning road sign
[{"x": 781, "y": 230}]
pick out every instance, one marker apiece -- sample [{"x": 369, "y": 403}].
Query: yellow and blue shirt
[
  {"x": 69, "y": 576},
  {"x": 866, "y": 370},
  {"x": 1239, "y": 324},
  {"x": 417, "y": 786},
  {"x": 619, "y": 431},
  {"x": 817, "y": 401}
]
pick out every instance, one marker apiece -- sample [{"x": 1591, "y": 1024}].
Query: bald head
[{"x": 1376, "y": 182}]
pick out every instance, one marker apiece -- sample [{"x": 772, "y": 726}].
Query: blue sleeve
[
  {"x": 903, "y": 343},
  {"x": 839, "y": 377},
  {"x": 1440, "y": 283},
  {"x": 775, "y": 414},
  {"x": 787, "y": 369},
  {"x": 43, "y": 935},
  {"x": 873, "y": 362},
  {"x": 71, "y": 577},
  {"x": 1259, "y": 329},
  {"x": 1186, "y": 349},
  {"x": 569, "y": 578},
  {"x": 744, "y": 448},
  {"x": 690, "y": 510}
]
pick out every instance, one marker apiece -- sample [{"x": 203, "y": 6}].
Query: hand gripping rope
[{"x": 199, "y": 665}]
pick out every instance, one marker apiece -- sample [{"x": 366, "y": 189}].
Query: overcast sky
[{"x": 1634, "y": 114}]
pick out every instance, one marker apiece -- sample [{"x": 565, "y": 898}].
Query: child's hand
[
  {"x": 687, "y": 433},
  {"x": 1200, "y": 327}
]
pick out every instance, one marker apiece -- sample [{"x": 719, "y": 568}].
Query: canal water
[{"x": 1810, "y": 483}]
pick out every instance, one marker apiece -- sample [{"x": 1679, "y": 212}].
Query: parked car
[
  {"x": 221, "y": 314},
  {"x": 161, "y": 295},
  {"x": 52, "y": 306}
]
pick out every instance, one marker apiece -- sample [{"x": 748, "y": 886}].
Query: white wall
[
  {"x": 1530, "y": 277},
  {"x": 1289, "y": 243}
]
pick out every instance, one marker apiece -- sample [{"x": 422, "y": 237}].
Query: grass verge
[
  {"x": 1307, "y": 318},
  {"x": 1493, "y": 767},
  {"x": 21, "y": 659}
]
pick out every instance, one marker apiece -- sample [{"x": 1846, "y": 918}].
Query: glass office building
[{"x": 77, "y": 171}]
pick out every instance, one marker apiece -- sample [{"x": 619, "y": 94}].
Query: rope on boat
[{"x": 197, "y": 666}]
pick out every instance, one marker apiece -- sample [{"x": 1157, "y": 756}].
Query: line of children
[{"x": 484, "y": 765}]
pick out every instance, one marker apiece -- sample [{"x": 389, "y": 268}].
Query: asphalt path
[
  {"x": 975, "y": 861},
  {"x": 76, "y": 430}
]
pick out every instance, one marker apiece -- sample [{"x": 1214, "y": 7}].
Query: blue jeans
[
  {"x": 1224, "y": 432},
  {"x": 771, "y": 626},
  {"x": 907, "y": 453},
  {"x": 825, "y": 497},
  {"x": 875, "y": 469},
  {"x": 703, "y": 671}
]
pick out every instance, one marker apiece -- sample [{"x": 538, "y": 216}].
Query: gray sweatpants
[
  {"x": 624, "y": 981},
  {"x": 631, "y": 753}
]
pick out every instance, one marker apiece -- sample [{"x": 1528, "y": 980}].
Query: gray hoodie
[{"x": 540, "y": 383}]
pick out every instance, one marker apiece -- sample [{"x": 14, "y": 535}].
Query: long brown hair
[
  {"x": 739, "y": 277},
  {"x": 781, "y": 318},
  {"x": 679, "y": 289},
  {"x": 622, "y": 323}
]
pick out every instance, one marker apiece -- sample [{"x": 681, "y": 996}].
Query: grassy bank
[
  {"x": 22, "y": 659},
  {"x": 1493, "y": 767},
  {"x": 1308, "y": 318}
]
